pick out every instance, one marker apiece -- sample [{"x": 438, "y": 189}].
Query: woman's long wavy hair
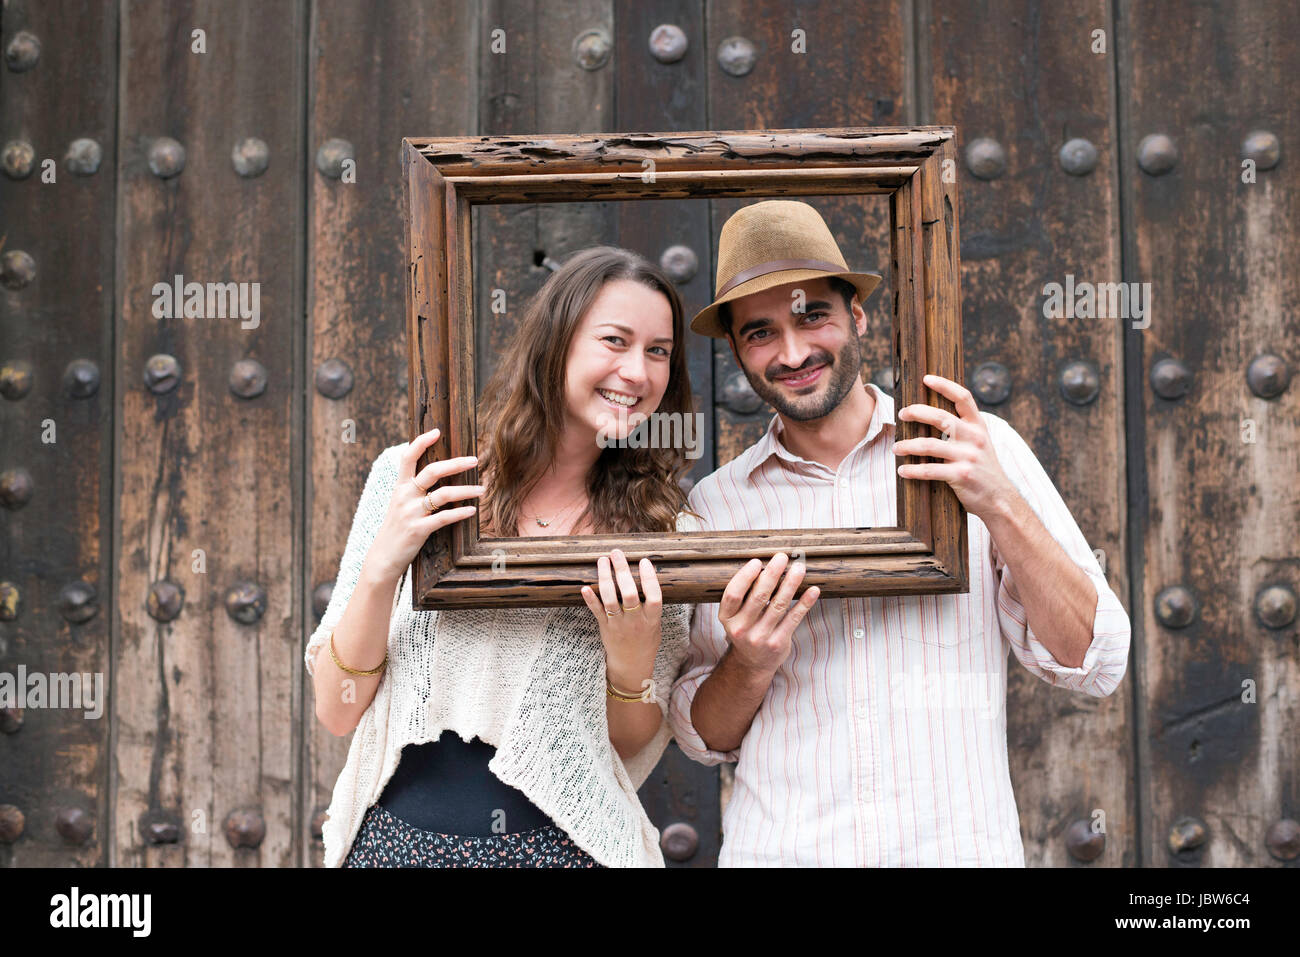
[{"x": 522, "y": 409}]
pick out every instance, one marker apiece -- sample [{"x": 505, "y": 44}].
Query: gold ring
[
  {"x": 608, "y": 613},
  {"x": 633, "y": 608},
  {"x": 428, "y": 502}
]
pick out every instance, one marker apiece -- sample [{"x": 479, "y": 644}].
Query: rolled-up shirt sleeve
[
  {"x": 1106, "y": 659},
  {"x": 708, "y": 643}
]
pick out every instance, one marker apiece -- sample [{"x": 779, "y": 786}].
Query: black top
[{"x": 445, "y": 786}]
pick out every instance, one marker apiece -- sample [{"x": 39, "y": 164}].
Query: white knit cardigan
[{"x": 529, "y": 681}]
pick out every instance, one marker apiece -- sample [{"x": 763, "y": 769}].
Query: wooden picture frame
[{"x": 926, "y": 553}]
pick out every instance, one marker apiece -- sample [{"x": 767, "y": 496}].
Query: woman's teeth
[{"x": 625, "y": 402}]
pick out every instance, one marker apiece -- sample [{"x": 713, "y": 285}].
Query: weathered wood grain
[
  {"x": 207, "y": 707},
  {"x": 54, "y": 762},
  {"x": 1222, "y": 512}
]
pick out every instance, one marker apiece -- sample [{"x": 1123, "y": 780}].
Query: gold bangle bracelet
[
  {"x": 353, "y": 671},
  {"x": 645, "y": 697}
]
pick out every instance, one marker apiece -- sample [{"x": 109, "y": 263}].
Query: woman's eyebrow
[{"x": 615, "y": 325}]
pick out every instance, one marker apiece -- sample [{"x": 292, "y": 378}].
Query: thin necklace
[{"x": 561, "y": 512}]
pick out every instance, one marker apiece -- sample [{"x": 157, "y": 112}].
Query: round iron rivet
[
  {"x": 591, "y": 49},
  {"x": 332, "y": 155},
  {"x": 23, "y": 52},
  {"x": 739, "y": 396},
  {"x": 81, "y": 378},
  {"x": 320, "y": 599},
  {"x": 318, "y": 823},
  {"x": 162, "y": 373},
  {"x": 1157, "y": 154},
  {"x": 10, "y": 599},
  {"x": 245, "y": 602},
  {"x": 884, "y": 379},
  {"x": 165, "y": 600},
  {"x": 15, "y": 378},
  {"x": 11, "y": 823},
  {"x": 166, "y": 157},
  {"x": 78, "y": 602},
  {"x": 19, "y": 156},
  {"x": 991, "y": 383},
  {"x": 17, "y": 269},
  {"x": 83, "y": 157},
  {"x": 160, "y": 827},
  {"x": 11, "y": 720},
  {"x": 1262, "y": 147},
  {"x": 1187, "y": 834},
  {"x": 74, "y": 825},
  {"x": 736, "y": 56},
  {"x": 333, "y": 379},
  {"x": 248, "y": 378},
  {"x": 1275, "y": 606},
  {"x": 245, "y": 827},
  {"x": 1268, "y": 376},
  {"x": 1170, "y": 379},
  {"x": 250, "y": 157},
  {"x": 1283, "y": 840},
  {"x": 1080, "y": 382},
  {"x": 680, "y": 263},
  {"x": 15, "y": 488},
  {"x": 668, "y": 43},
  {"x": 679, "y": 841},
  {"x": 1175, "y": 606},
  {"x": 1083, "y": 843},
  {"x": 1078, "y": 157},
  {"x": 985, "y": 158}
]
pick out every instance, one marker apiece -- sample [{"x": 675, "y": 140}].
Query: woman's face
[{"x": 619, "y": 359}]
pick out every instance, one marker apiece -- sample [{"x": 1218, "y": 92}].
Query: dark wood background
[{"x": 182, "y": 541}]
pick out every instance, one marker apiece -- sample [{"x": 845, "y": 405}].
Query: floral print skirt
[{"x": 387, "y": 841}]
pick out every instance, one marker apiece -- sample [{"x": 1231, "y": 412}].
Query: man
[{"x": 871, "y": 731}]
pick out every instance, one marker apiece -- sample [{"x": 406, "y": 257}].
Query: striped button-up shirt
[{"x": 882, "y": 739}]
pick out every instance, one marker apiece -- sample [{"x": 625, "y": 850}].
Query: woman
[{"x": 518, "y": 736}]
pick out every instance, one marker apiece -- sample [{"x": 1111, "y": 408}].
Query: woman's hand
[
  {"x": 408, "y": 522},
  {"x": 629, "y": 624}
]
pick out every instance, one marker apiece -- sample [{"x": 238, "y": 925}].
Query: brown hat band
[{"x": 776, "y": 265}]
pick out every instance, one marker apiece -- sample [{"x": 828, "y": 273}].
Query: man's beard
[{"x": 845, "y": 367}]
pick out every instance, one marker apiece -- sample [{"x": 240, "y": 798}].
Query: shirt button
[
  {"x": 861, "y": 712},
  {"x": 858, "y": 632},
  {"x": 844, "y": 483}
]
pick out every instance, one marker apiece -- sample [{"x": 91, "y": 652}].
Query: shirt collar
[{"x": 882, "y": 414}]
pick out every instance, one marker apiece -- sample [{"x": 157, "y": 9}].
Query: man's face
[{"x": 803, "y": 364}]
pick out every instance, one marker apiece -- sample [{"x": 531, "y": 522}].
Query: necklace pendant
[{"x": 541, "y": 523}]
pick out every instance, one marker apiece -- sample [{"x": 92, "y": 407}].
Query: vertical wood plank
[
  {"x": 1071, "y": 755},
  {"x": 57, "y": 380},
  {"x": 1222, "y": 515},
  {"x": 372, "y": 80},
  {"x": 206, "y": 705}
]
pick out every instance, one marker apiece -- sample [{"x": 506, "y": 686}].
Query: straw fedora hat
[{"x": 770, "y": 243}]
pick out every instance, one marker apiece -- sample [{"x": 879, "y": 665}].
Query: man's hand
[
  {"x": 972, "y": 467},
  {"x": 760, "y": 630}
]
